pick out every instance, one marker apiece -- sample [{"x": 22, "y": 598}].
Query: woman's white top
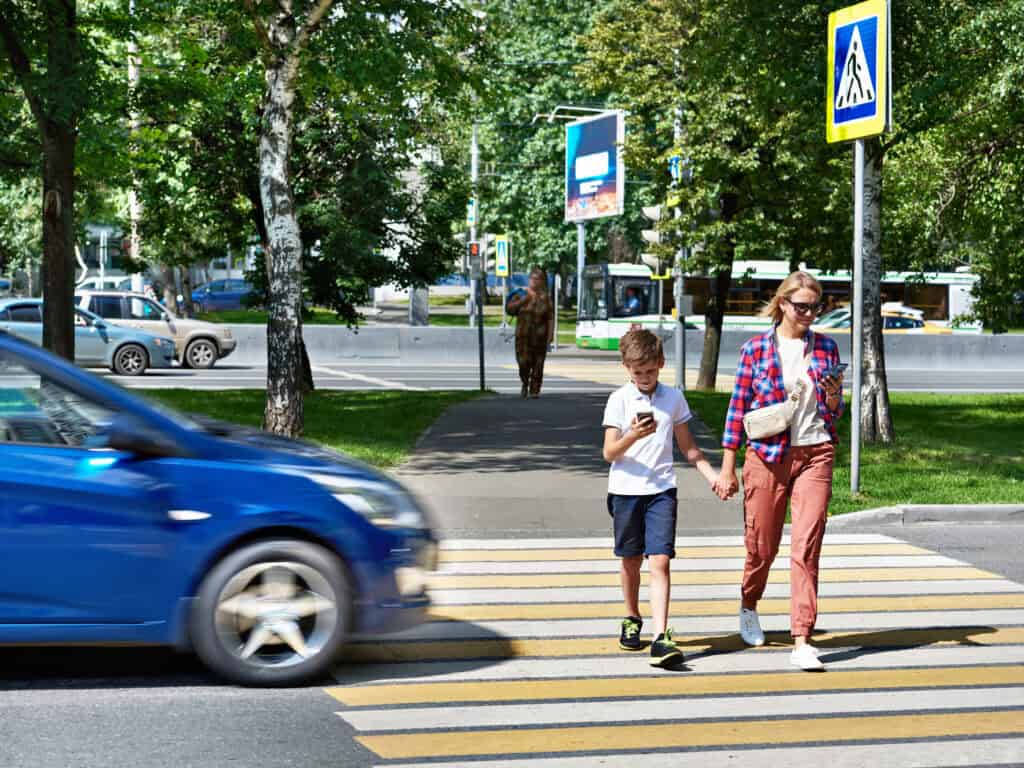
[{"x": 808, "y": 427}]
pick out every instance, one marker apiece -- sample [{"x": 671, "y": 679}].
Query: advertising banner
[{"x": 594, "y": 173}]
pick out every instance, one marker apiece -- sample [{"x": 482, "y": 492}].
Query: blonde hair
[
  {"x": 640, "y": 346},
  {"x": 793, "y": 283}
]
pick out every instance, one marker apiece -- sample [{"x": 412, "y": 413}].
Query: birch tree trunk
[
  {"x": 875, "y": 418},
  {"x": 283, "y": 412}
]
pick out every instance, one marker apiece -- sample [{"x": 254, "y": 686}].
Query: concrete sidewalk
[{"x": 503, "y": 466}]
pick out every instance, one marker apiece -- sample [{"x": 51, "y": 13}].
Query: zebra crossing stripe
[
  {"x": 571, "y": 554},
  {"x": 632, "y": 737},
  {"x": 679, "y": 578},
  {"x": 512, "y": 647},
  {"x": 680, "y": 608},
  {"x": 675, "y": 685}
]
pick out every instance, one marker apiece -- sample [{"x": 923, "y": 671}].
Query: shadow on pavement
[{"x": 34, "y": 668}]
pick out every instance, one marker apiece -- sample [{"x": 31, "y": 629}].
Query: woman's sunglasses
[{"x": 805, "y": 309}]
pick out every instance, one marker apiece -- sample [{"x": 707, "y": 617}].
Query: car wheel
[
  {"x": 130, "y": 360},
  {"x": 201, "y": 353},
  {"x": 272, "y": 614}
]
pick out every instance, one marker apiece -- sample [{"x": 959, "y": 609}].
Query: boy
[{"x": 640, "y": 421}]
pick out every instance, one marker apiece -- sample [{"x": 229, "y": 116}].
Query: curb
[{"x": 911, "y": 514}]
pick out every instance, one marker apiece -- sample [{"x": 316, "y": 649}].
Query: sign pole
[
  {"x": 680, "y": 336},
  {"x": 474, "y": 166},
  {"x": 858, "y": 311},
  {"x": 581, "y": 258}
]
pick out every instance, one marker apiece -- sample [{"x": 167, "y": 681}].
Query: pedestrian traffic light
[{"x": 473, "y": 261}]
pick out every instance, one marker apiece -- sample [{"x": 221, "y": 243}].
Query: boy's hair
[{"x": 640, "y": 346}]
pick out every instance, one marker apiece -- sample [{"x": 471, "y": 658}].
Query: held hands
[{"x": 725, "y": 485}]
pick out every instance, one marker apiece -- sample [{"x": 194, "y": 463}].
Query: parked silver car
[
  {"x": 197, "y": 343},
  {"x": 126, "y": 351}
]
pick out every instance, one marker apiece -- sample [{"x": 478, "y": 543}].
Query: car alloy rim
[
  {"x": 131, "y": 360},
  {"x": 276, "y": 614},
  {"x": 201, "y": 354}
]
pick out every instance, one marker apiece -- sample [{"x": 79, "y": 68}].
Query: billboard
[{"x": 595, "y": 177}]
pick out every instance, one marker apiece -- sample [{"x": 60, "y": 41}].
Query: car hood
[
  {"x": 248, "y": 444},
  {"x": 188, "y": 326}
]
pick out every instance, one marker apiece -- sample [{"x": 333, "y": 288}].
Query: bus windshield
[{"x": 592, "y": 297}]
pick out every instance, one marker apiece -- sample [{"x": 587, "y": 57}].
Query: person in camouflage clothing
[{"x": 535, "y": 328}]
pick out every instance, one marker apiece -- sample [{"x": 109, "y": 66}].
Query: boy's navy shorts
[{"x": 644, "y": 525}]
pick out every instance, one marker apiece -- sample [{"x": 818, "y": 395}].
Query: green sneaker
[
  {"x": 665, "y": 652},
  {"x": 629, "y": 640}
]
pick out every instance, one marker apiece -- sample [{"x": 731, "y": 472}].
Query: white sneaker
[
  {"x": 750, "y": 627},
  {"x": 806, "y": 658}
]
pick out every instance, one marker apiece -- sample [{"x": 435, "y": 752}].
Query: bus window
[
  {"x": 632, "y": 298},
  {"x": 593, "y": 306}
]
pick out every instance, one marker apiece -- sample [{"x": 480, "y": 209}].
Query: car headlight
[
  {"x": 227, "y": 333},
  {"x": 158, "y": 342},
  {"x": 381, "y": 504}
]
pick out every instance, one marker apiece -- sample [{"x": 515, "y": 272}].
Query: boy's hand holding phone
[{"x": 643, "y": 424}]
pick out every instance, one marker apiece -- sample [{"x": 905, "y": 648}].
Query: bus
[{"x": 941, "y": 297}]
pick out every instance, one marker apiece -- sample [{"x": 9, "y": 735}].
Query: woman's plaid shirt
[{"x": 759, "y": 383}]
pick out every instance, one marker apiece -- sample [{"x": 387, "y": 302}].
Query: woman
[
  {"x": 793, "y": 466},
  {"x": 535, "y": 329}
]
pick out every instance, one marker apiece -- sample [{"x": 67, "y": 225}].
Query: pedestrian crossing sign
[
  {"x": 858, "y": 100},
  {"x": 502, "y": 254}
]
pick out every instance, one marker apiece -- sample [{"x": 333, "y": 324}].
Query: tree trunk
[
  {"x": 714, "y": 314},
  {"x": 186, "y": 308},
  {"x": 875, "y": 418},
  {"x": 283, "y": 411},
  {"x": 58, "y": 268},
  {"x": 170, "y": 288}
]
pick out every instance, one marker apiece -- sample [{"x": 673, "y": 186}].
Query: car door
[
  {"x": 146, "y": 315},
  {"x": 90, "y": 340},
  {"x": 25, "y": 320},
  {"x": 83, "y": 535}
]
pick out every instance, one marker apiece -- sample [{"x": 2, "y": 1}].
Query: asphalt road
[{"x": 563, "y": 374}]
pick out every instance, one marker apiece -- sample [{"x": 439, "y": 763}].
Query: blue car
[
  {"x": 122, "y": 522},
  {"x": 126, "y": 351},
  {"x": 220, "y": 295}
]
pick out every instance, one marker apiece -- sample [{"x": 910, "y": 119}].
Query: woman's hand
[
  {"x": 726, "y": 485},
  {"x": 833, "y": 386}
]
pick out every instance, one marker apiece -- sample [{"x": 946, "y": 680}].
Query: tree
[{"x": 53, "y": 66}]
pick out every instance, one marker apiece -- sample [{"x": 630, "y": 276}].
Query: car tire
[
  {"x": 130, "y": 360},
  {"x": 201, "y": 353},
  {"x": 273, "y": 613}
]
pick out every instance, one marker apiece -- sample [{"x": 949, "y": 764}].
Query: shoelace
[
  {"x": 630, "y": 629},
  {"x": 668, "y": 638}
]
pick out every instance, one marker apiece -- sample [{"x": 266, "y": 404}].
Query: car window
[
  {"x": 239, "y": 285},
  {"x": 25, "y": 313},
  {"x": 5, "y": 316},
  {"x": 108, "y": 307},
  {"x": 143, "y": 309},
  {"x": 217, "y": 286},
  {"x": 35, "y": 409}
]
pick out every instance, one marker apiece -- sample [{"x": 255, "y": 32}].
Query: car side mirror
[
  {"x": 99, "y": 325},
  {"x": 128, "y": 434},
  {"x": 165, "y": 316}
]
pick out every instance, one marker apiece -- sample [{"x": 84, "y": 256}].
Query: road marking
[
  {"x": 606, "y": 543},
  {"x": 366, "y": 379},
  {"x": 664, "y": 736},
  {"x": 726, "y": 641},
  {"x": 679, "y": 578},
  {"x": 678, "y": 685},
  {"x": 766, "y": 607},
  {"x": 548, "y": 555}
]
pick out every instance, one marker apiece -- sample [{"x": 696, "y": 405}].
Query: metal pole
[
  {"x": 558, "y": 286},
  {"x": 474, "y": 161},
  {"x": 581, "y": 258},
  {"x": 480, "y": 328},
  {"x": 504, "y": 298},
  {"x": 134, "y": 203},
  {"x": 858, "y": 311},
  {"x": 680, "y": 337}
]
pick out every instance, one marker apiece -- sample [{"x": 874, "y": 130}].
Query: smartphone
[
  {"x": 645, "y": 416},
  {"x": 836, "y": 370}
]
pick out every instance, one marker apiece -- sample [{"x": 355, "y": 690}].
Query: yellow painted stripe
[
  {"x": 673, "y": 685},
  {"x": 682, "y": 578},
  {"x": 727, "y": 607},
  {"x": 605, "y": 553},
  {"x": 680, "y": 735},
  {"x": 511, "y": 648}
]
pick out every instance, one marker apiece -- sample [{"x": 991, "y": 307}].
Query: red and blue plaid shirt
[{"x": 759, "y": 383}]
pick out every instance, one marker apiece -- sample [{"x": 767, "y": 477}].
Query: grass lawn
[
  {"x": 949, "y": 449},
  {"x": 318, "y": 316},
  {"x": 380, "y": 428}
]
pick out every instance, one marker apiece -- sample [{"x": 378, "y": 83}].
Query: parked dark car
[
  {"x": 125, "y": 523},
  {"x": 221, "y": 294}
]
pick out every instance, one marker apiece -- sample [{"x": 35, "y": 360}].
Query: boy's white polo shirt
[{"x": 647, "y": 467}]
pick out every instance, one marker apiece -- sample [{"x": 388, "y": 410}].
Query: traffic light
[
  {"x": 473, "y": 263},
  {"x": 488, "y": 248},
  {"x": 652, "y": 236}
]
